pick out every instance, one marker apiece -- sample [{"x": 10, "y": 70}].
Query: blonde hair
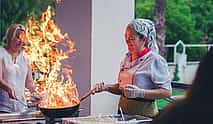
[{"x": 12, "y": 32}]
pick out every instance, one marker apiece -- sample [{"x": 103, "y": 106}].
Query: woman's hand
[
  {"x": 35, "y": 97},
  {"x": 99, "y": 87},
  {"x": 11, "y": 92},
  {"x": 34, "y": 100},
  {"x": 132, "y": 91}
]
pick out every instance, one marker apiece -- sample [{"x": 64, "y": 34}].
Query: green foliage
[
  {"x": 176, "y": 77},
  {"x": 188, "y": 20},
  {"x": 162, "y": 103},
  {"x": 195, "y": 54},
  {"x": 170, "y": 53},
  {"x": 203, "y": 15},
  {"x": 144, "y": 8},
  {"x": 179, "y": 22},
  {"x": 179, "y": 48},
  {"x": 18, "y": 11}
]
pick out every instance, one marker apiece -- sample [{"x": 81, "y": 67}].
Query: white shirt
[{"x": 15, "y": 74}]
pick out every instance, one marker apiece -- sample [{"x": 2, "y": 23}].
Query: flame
[
  {"x": 55, "y": 81},
  {"x": 23, "y": 37}
]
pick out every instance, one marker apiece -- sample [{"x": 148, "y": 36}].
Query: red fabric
[{"x": 143, "y": 52}]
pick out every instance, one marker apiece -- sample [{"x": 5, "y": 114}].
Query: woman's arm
[
  {"x": 8, "y": 88},
  {"x": 131, "y": 91},
  {"x": 4, "y": 85},
  {"x": 157, "y": 93},
  {"x": 161, "y": 79},
  {"x": 112, "y": 88}
]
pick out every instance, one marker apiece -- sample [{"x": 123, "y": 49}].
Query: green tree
[
  {"x": 203, "y": 15},
  {"x": 180, "y": 22},
  {"x": 182, "y": 25},
  {"x": 159, "y": 18},
  {"x": 188, "y": 20},
  {"x": 18, "y": 11},
  {"x": 144, "y": 9}
]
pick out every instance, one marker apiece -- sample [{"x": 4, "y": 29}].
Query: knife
[{"x": 122, "y": 115}]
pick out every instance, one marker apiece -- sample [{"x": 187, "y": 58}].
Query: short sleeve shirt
[{"x": 152, "y": 72}]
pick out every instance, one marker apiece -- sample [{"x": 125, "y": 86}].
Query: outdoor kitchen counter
[
  {"x": 35, "y": 117},
  {"x": 29, "y": 116}
]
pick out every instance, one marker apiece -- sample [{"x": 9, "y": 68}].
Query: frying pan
[{"x": 72, "y": 111}]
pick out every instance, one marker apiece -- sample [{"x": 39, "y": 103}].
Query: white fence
[
  {"x": 184, "y": 46},
  {"x": 186, "y": 68}
]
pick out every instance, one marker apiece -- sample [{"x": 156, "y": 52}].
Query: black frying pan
[
  {"x": 60, "y": 112},
  {"x": 72, "y": 111}
]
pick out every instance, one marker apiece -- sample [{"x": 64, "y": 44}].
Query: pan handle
[{"x": 86, "y": 95}]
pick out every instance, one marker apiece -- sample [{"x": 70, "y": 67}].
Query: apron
[{"x": 134, "y": 106}]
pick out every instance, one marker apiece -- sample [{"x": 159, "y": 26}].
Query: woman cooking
[
  {"x": 143, "y": 75},
  {"x": 15, "y": 72}
]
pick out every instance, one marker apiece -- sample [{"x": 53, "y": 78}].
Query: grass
[{"x": 161, "y": 103}]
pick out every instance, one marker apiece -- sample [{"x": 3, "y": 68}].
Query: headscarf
[{"x": 146, "y": 28}]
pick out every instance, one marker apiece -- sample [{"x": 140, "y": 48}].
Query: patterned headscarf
[{"x": 146, "y": 28}]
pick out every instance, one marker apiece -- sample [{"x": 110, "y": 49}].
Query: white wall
[
  {"x": 109, "y": 19},
  {"x": 189, "y": 73}
]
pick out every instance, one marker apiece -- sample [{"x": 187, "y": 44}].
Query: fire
[
  {"x": 23, "y": 37},
  {"x": 44, "y": 48}
]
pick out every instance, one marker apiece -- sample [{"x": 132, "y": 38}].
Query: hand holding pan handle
[
  {"x": 97, "y": 88},
  {"x": 86, "y": 95}
]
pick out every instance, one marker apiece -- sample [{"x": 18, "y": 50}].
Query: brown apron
[{"x": 135, "y": 106}]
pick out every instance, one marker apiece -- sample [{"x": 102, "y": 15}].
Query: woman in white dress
[{"x": 15, "y": 71}]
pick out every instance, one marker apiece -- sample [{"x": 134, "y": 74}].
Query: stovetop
[
  {"x": 36, "y": 117},
  {"x": 108, "y": 119}
]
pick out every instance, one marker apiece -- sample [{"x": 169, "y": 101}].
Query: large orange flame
[{"x": 43, "y": 38}]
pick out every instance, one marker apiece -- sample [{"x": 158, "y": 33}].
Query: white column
[{"x": 109, "y": 19}]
